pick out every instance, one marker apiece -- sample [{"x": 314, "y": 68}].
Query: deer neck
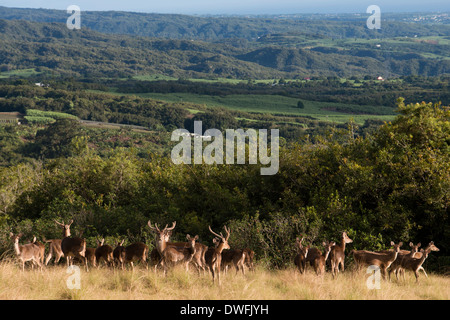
[
  {"x": 161, "y": 246},
  {"x": 66, "y": 233},
  {"x": 17, "y": 248},
  {"x": 342, "y": 245},
  {"x": 325, "y": 254}
]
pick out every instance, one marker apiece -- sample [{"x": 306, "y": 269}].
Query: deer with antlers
[
  {"x": 26, "y": 252},
  {"x": 72, "y": 246},
  {"x": 173, "y": 255},
  {"x": 213, "y": 256},
  {"x": 162, "y": 241}
]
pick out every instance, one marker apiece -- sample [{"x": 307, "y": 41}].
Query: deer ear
[
  {"x": 411, "y": 244},
  {"x": 324, "y": 244},
  {"x": 333, "y": 243},
  {"x": 400, "y": 244},
  {"x": 196, "y": 237},
  {"x": 188, "y": 237},
  {"x": 419, "y": 244},
  {"x": 392, "y": 243},
  {"x": 11, "y": 234}
]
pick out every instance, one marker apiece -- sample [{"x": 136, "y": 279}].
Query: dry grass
[{"x": 288, "y": 284}]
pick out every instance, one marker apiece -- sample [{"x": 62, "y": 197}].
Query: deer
[
  {"x": 213, "y": 256},
  {"x": 302, "y": 254},
  {"x": 72, "y": 246},
  {"x": 54, "y": 250},
  {"x": 396, "y": 266},
  {"x": 382, "y": 260},
  {"x": 27, "y": 252},
  {"x": 234, "y": 257},
  {"x": 104, "y": 252},
  {"x": 90, "y": 256},
  {"x": 414, "y": 264},
  {"x": 136, "y": 252},
  {"x": 41, "y": 249},
  {"x": 249, "y": 256},
  {"x": 119, "y": 254},
  {"x": 162, "y": 241},
  {"x": 337, "y": 254},
  {"x": 321, "y": 260},
  {"x": 173, "y": 255}
]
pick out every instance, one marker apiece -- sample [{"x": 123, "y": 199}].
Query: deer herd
[{"x": 216, "y": 259}]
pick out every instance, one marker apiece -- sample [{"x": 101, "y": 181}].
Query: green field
[{"x": 281, "y": 105}]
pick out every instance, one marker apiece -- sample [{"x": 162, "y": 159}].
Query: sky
[{"x": 236, "y": 6}]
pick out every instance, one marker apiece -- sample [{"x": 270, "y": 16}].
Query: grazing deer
[
  {"x": 321, "y": 260},
  {"x": 173, "y": 255},
  {"x": 54, "y": 250},
  {"x": 104, "y": 252},
  {"x": 414, "y": 264},
  {"x": 337, "y": 254},
  {"x": 234, "y": 257},
  {"x": 72, "y": 246},
  {"x": 300, "y": 258},
  {"x": 136, "y": 252},
  {"x": 119, "y": 254},
  {"x": 382, "y": 260},
  {"x": 162, "y": 241},
  {"x": 213, "y": 256},
  {"x": 27, "y": 252}
]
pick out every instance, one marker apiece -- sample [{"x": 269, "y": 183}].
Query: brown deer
[
  {"x": 104, "y": 252},
  {"x": 249, "y": 257},
  {"x": 396, "y": 266},
  {"x": 337, "y": 254},
  {"x": 90, "y": 256},
  {"x": 173, "y": 255},
  {"x": 382, "y": 260},
  {"x": 163, "y": 237},
  {"x": 119, "y": 254},
  {"x": 72, "y": 246},
  {"x": 54, "y": 251},
  {"x": 414, "y": 264},
  {"x": 213, "y": 256},
  {"x": 321, "y": 260},
  {"x": 136, "y": 252},
  {"x": 234, "y": 257},
  {"x": 27, "y": 252},
  {"x": 302, "y": 255},
  {"x": 41, "y": 249}
]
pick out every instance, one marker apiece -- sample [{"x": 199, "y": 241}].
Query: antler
[
  {"x": 59, "y": 223},
  {"x": 171, "y": 228},
  {"x": 153, "y": 227},
  {"x": 228, "y": 231},
  {"x": 217, "y": 235}
]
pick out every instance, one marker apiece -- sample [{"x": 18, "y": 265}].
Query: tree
[{"x": 300, "y": 104}]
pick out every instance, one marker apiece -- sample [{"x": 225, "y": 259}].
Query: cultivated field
[{"x": 105, "y": 283}]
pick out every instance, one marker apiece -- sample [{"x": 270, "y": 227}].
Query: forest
[{"x": 392, "y": 184}]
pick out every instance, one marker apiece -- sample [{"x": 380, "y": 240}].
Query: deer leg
[{"x": 421, "y": 268}]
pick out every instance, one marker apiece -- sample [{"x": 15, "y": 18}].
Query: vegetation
[{"x": 262, "y": 285}]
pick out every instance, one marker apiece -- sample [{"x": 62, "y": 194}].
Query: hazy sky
[{"x": 237, "y": 6}]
